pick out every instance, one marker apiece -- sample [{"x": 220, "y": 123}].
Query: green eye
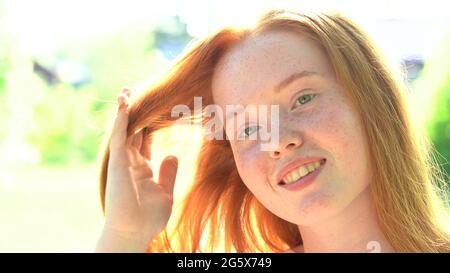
[
  {"x": 304, "y": 99},
  {"x": 250, "y": 130}
]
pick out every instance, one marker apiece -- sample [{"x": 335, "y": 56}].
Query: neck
[{"x": 355, "y": 229}]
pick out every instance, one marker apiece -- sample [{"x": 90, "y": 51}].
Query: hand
[{"x": 136, "y": 208}]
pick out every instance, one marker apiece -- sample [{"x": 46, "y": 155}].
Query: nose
[{"x": 289, "y": 141}]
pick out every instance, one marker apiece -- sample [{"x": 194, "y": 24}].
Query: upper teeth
[{"x": 301, "y": 171}]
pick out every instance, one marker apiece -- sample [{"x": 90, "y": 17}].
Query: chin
[{"x": 314, "y": 209}]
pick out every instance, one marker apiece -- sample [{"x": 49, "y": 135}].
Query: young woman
[{"x": 349, "y": 173}]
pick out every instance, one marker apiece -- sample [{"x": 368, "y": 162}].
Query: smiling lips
[{"x": 298, "y": 172}]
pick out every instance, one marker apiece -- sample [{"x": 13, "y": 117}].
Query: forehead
[{"x": 259, "y": 63}]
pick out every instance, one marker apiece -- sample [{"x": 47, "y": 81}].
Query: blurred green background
[{"x": 62, "y": 64}]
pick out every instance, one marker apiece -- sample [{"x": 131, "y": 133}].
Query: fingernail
[
  {"x": 173, "y": 161},
  {"x": 126, "y": 91}
]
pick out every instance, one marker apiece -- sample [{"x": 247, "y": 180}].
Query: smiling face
[{"x": 318, "y": 127}]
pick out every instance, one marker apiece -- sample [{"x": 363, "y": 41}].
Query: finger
[
  {"x": 130, "y": 140},
  {"x": 143, "y": 172},
  {"x": 137, "y": 141},
  {"x": 146, "y": 144},
  {"x": 168, "y": 174},
  {"x": 124, "y": 97},
  {"x": 133, "y": 143},
  {"x": 132, "y": 146},
  {"x": 134, "y": 156},
  {"x": 126, "y": 91},
  {"x": 119, "y": 131}
]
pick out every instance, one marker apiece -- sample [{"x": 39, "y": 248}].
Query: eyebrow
[{"x": 284, "y": 83}]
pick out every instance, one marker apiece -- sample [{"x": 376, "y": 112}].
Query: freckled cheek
[
  {"x": 325, "y": 128},
  {"x": 250, "y": 166},
  {"x": 339, "y": 133}
]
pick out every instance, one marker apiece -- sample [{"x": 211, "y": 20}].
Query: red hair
[{"x": 219, "y": 202}]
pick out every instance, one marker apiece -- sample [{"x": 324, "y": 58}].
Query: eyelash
[
  {"x": 312, "y": 96},
  {"x": 243, "y": 131}
]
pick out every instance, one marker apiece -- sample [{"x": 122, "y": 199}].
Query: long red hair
[{"x": 221, "y": 210}]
